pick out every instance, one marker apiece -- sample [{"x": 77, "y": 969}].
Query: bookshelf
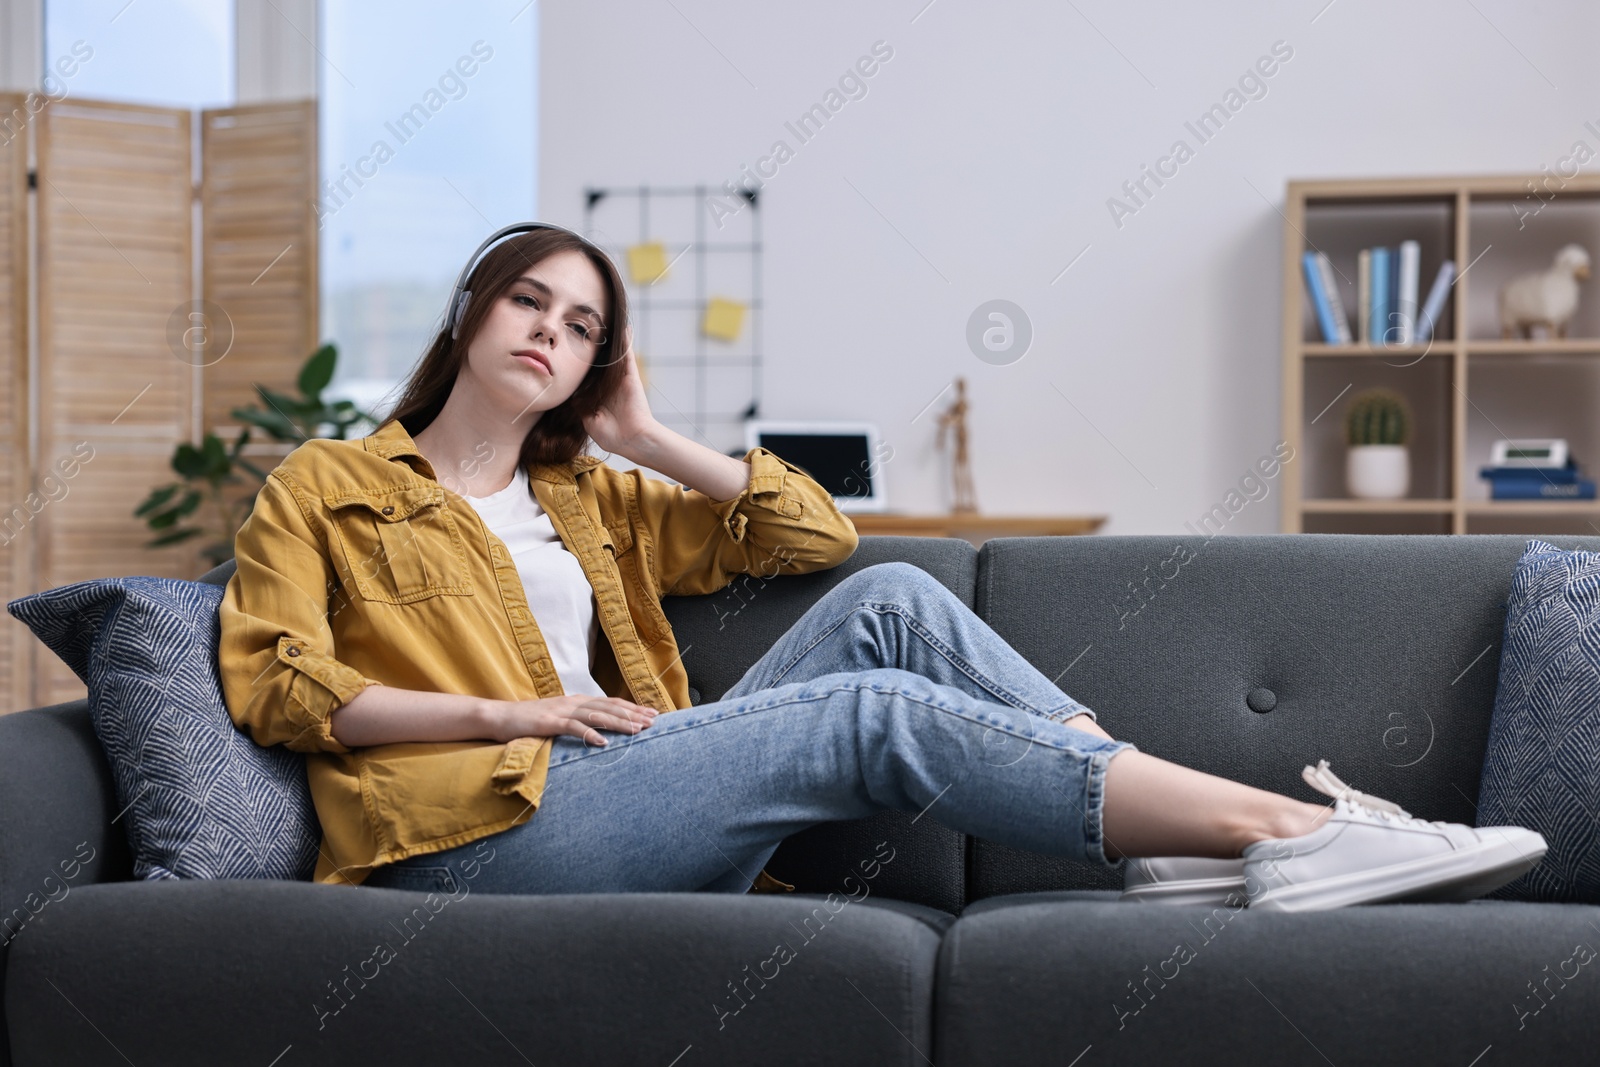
[{"x": 1467, "y": 386}]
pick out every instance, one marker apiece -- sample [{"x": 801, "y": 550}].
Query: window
[
  {"x": 178, "y": 53},
  {"x": 429, "y": 121}
]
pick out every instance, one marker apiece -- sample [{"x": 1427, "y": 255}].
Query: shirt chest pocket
[{"x": 402, "y": 545}]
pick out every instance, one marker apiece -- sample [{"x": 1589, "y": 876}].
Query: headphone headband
[{"x": 459, "y": 295}]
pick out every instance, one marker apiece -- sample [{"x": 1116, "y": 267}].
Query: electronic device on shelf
[
  {"x": 842, "y": 457},
  {"x": 1529, "y": 452}
]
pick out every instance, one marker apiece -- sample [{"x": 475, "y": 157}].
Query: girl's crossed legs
[{"x": 887, "y": 693}]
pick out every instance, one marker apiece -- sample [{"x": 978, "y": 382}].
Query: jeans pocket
[{"x": 417, "y": 879}]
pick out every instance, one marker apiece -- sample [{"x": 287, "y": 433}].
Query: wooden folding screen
[
  {"x": 160, "y": 304},
  {"x": 16, "y": 642},
  {"x": 259, "y": 262}
]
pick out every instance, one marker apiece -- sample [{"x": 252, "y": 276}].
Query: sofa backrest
[
  {"x": 1252, "y": 657},
  {"x": 1248, "y": 657}
]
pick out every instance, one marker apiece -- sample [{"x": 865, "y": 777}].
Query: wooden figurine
[{"x": 954, "y": 419}]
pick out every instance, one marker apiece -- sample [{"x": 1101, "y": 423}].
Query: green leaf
[
  {"x": 318, "y": 371},
  {"x": 187, "y": 461},
  {"x": 274, "y": 422},
  {"x": 285, "y": 404},
  {"x": 216, "y": 454},
  {"x": 173, "y": 538},
  {"x": 191, "y": 500},
  {"x": 156, "y": 499}
]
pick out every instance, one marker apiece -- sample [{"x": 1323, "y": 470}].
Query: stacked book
[
  {"x": 1538, "y": 483},
  {"x": 1386, "y": 297}
]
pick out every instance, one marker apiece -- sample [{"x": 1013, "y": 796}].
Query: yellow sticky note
[
  {"x": 724, "y": 319},
  {"x": 647, "y": 263}
]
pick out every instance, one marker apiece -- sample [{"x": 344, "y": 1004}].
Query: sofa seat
[
  {"x": 240, "y": 971},
  {"x": 1381, "y": 984}
]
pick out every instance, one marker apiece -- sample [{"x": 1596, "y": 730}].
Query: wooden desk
[{"x": 975, "y": 528}]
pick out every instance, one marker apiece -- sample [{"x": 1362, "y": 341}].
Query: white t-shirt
[{"x": 559, "y": 594}]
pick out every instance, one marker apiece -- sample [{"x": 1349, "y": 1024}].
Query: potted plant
[
  {"x": 1377, "y": 428},
  {"x": 206, "y": 471}
]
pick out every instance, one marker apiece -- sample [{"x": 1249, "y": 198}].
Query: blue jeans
[{"x": 887, "y": 693}]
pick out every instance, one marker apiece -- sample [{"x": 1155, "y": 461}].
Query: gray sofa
[{"x": 1244, "y": 656}]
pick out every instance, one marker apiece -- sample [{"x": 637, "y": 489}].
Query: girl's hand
[
  {"x": 575, "y": 713},
  {"x": 625, "y": 420}
]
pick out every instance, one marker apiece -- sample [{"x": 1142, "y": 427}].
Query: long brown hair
[{"x": 558, "y": 436}]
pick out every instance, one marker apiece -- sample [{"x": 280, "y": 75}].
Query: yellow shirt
[{"x": 358, "y": 567}]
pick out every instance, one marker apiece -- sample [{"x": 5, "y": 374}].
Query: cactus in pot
[
  {"x": 1377, "y": 429},
  {"x": 1378, "y": 417}
]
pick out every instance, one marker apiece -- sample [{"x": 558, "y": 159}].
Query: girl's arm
[
  {"x": 759, "y": 515},
  {"x": 718, "y": 476},
  {"x": 279, "y": 675},
  {"x": 382, "y": 714}
]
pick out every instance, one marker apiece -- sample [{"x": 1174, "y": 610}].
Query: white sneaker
[
  {"x": 1196, "y": 880},
  {"x": 1372, "y": 850}
]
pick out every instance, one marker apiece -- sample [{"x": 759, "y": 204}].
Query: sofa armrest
[{"x": 57, "y": 803}]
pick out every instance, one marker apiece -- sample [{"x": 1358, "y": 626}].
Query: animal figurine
[{"x": 1546, "y": 298}]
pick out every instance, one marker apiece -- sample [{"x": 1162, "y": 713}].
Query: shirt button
[
  {"x": 294, "y": 651},
  {"x": 389, "y": 510}
]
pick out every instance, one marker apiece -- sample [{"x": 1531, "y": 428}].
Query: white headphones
[{"x": 460, "y": 295}]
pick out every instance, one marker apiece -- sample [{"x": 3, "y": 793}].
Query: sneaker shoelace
[{"x": 1323, "y": 780}]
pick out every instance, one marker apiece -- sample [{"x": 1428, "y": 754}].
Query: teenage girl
[{"x": 887, "y": 693}]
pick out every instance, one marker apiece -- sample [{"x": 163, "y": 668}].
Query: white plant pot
[{"x": 1378, "y": 472}]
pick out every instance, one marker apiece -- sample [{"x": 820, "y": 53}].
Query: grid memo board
[{"x": 703, "y": 386}]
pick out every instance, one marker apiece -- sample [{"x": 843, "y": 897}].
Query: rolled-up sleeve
[
  {"x": 280, "y": 678},
  {"x": 783, "y": 522}
]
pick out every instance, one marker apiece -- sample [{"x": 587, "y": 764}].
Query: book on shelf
[
  {"x": 1402, "y": 330},
  {"x": 1341, "y": 319},
  {"x": 1538, "y": 483},
  {"x": 1325, "y": 299},
  {"x": 1433, "y": 307},
  {"x": 1525, "y": 489},
  {"x": 1319, "y": 297},
  {"x": 1388, "y": 313},
  {"x": 1530, "y": 475},
  {"x": 1379, "y": 297},
  {"x": 1364, "y": 293}
]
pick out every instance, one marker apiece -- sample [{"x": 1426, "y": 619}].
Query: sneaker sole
[
  {"x": 1453, "y": 876},
  {"x": 1194, "y": 891}
]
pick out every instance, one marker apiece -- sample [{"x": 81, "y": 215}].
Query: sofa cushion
[
  {"x": 197, "y": 798},
  {"x": 209, "y": 973},
  {"x": 1043, "y": 978},
  {"x": 1542, "y": 767}
]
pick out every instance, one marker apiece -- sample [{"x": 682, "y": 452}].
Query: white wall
[{"x": 991, "y": 141}]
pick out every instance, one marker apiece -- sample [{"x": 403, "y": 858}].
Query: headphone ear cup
[{"x": 461, "y": 310}]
